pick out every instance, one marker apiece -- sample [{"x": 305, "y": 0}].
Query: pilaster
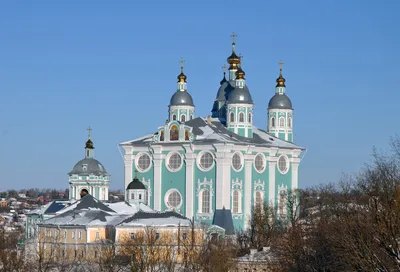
[
  {"x": 189, "y": 161},
  {"x": 223, "y": 161},
  {"x": 272, "y": 168},
  {"x": 128, "y": 161},
  {"x": 248, "y": 163},
  {"x": 158, "y": 158},
  {"x": 295, "y": 162}
]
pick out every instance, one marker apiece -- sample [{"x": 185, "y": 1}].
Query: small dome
[
  {"x": 89, "y": 144},
  {"x": 280, "y": 81},
  {"x": 182, "y": 77},
  {"x": 136, "y": 185},
  {"x": 240, "y": 95},
  {"x": 280, "y": 101},
  {"x": 87, "y": 167},
  {"x": 181, "y": 98},
  {"x": 240, "y": 73}
]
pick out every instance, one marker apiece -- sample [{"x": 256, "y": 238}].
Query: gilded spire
[
  {"x": 182, "y": 77},
  {"x": 233, "y": 59},
  {"x": 224, "y": 67},
  {"x": 280, "y": 81},
  {"x": 89, "y": 143}
]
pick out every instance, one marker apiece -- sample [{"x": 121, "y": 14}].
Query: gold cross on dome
[
  {"x": 224, "y": 67},
  {"x": 182, "y": 62},
  {"x": 233, "y": 36},
  {"x": 280, "y": 66},
  {"x": 89, "y": 131}
]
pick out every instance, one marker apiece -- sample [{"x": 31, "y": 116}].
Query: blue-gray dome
[
  {"x": 280, "y": 101},
  {"x": 181, "y": 98},
  {"x": 135, "y": 184},
  {"x": 87, "y": 167},
  {"x": 224, "y": 90},
  {"x": 240, "y": 95}
]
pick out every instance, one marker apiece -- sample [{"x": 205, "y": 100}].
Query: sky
[{"x": 112, "y": 65}]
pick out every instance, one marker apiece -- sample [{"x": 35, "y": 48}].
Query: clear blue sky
[{"x": 65, "y": 65}]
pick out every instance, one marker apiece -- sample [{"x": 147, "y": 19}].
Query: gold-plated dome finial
[
  {"x": 233, "y": 59},
  {"x": 240, "y": 73},
  {"x": 280, "y": 81},
  {"x": 182, "y": 77},
  {"x": 89, "y": 143}
]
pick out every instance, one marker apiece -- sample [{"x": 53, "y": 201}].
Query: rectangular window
[
  {"x": 80, "y": 235},
  {"x": 132, "y": 235},
  {"x": 184, "y": 236},
  {"x": 73, "y": 235},
  {"x": 157, "y": 236},
  {"x": 97, "y": 235},
  {"x": 65, "y": 234},
  {"x": 63, "y": 253},
  {"x": 95, "y": 254}
]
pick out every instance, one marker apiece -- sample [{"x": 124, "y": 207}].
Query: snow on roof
[
  {"x": 159, "y": 219},
  {"x": 41, "y": 210},
  {"x": 127, "y": 208}
]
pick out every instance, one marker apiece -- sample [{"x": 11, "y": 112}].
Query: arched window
[
  {"x": 132, "y": 195},
  {"x": 289, "y": 122},
  {"x": 205, "y": 201},
  {"x": 236, "y": 202},
  {"x": 282, "y": 203},
  {"x": 259, "y": 198},
  {"x": 186, "y": 135},
  {"x": 162, "y": 135},
  {"x": 232, "y": 117},
  {"x": 174, "y": 117},
  {"x": 249, "y": 118},
  {"x": 281, "y": 122},
  {"x": 241, "y": 117},
  {"x": 273, "y": 122},
  {"x": 191, "y": 117},
  {"x": 174, "y": 133},
  {"x": 183, "y": 118}
]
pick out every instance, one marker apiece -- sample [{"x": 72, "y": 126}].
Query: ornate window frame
[
  {"x": 282, "y": 191},
  {"x": 287, "y": 164},
  {"x": 281, "y": 121},
  {"x": 241, "y": 161},
  {"x": 198, "y": 160},
  {"x": 168, "y": 157},
  {"x": 167, "y": 194},
  {"x": 137, "y": 157},
  {"x": 273, "y": 122},
  {"x": 201, "y": 186},
  {"x": 237, "y": 185},
  {"x": 264, "y": 163}
]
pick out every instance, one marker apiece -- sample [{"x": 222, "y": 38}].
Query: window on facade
[
  {"x": 76, "y": 253},
  {"x": 259, "y": 198},
  {"x": 174, "y": 133},
  {"x": 205, "y": 201},
  {"x": 236, "y": 201},
  {"x": 95, "y": 253},
  {"x": 140, "y": 196},
  {"x": 206, "y": 161},
  {"x": 97, "y": 235},
  {"x": 237, "y": 161},
  {"x": 63, "y": 253},
  {"x": 250, "y": 118},
  {"x": 282, "y": 164},
  {"x": 281, "y": 122},
  {"x": 272, "y": 122},
  {"x": 143, "y": 162},
  {"x": 232, "y": 117},
  {"x": 183, "y": 118},
  {"x": 87, "y": 153},
  {"x": 282, "y": 204},
  {"x": 191, "y": 117},
  {"x": 132, "y": 195},
  {"x": 259, "y": 163},
  {"x": 174, "y": 117},
  {"x": 174, "y": 200},
  {"x": 241, "y": 117},
  {"x": 186, "y": 135},
  {"x": 184, "y": 236},
  {"x": 132, "y": 235},
  {"x": 162, "y": 135},
  {"x": 80, "y": 235},
  {"x": 175, "y": 162},
  {"x": 73, "y": 235},
  {"x": 157, "y": 236},
  {"x": 65, "y": 234},
  {"x": 289, "y": 122}
]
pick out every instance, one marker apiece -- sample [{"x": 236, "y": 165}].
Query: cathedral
[{"x": 213, "y": 168}]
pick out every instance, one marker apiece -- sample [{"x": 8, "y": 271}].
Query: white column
[
  {"x": 248, "y": 163},
  {"x": 128, "y": 160},
  {"x": 189, "y": 159},
  {"x": 271, "y": 181},
  {"x": 158, "y": 158},
  {"x": 223, "y": 179}
]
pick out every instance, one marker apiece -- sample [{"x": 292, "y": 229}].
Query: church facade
[{"x": 197, "y": 166}]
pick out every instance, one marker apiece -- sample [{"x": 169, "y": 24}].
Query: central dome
[
  {"x": 181, "y": 98},
  {"x": 88, "y": 167},
  {"x": 240, "y": 95}
]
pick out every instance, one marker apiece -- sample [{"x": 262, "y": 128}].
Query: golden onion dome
[
  {"x": 182, "y": 77},
  {"x": 240, "y": 73},
  {"x": 280, "y": 81}
]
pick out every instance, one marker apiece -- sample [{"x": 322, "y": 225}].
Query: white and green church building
[{"x": 215, "y": 169}]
